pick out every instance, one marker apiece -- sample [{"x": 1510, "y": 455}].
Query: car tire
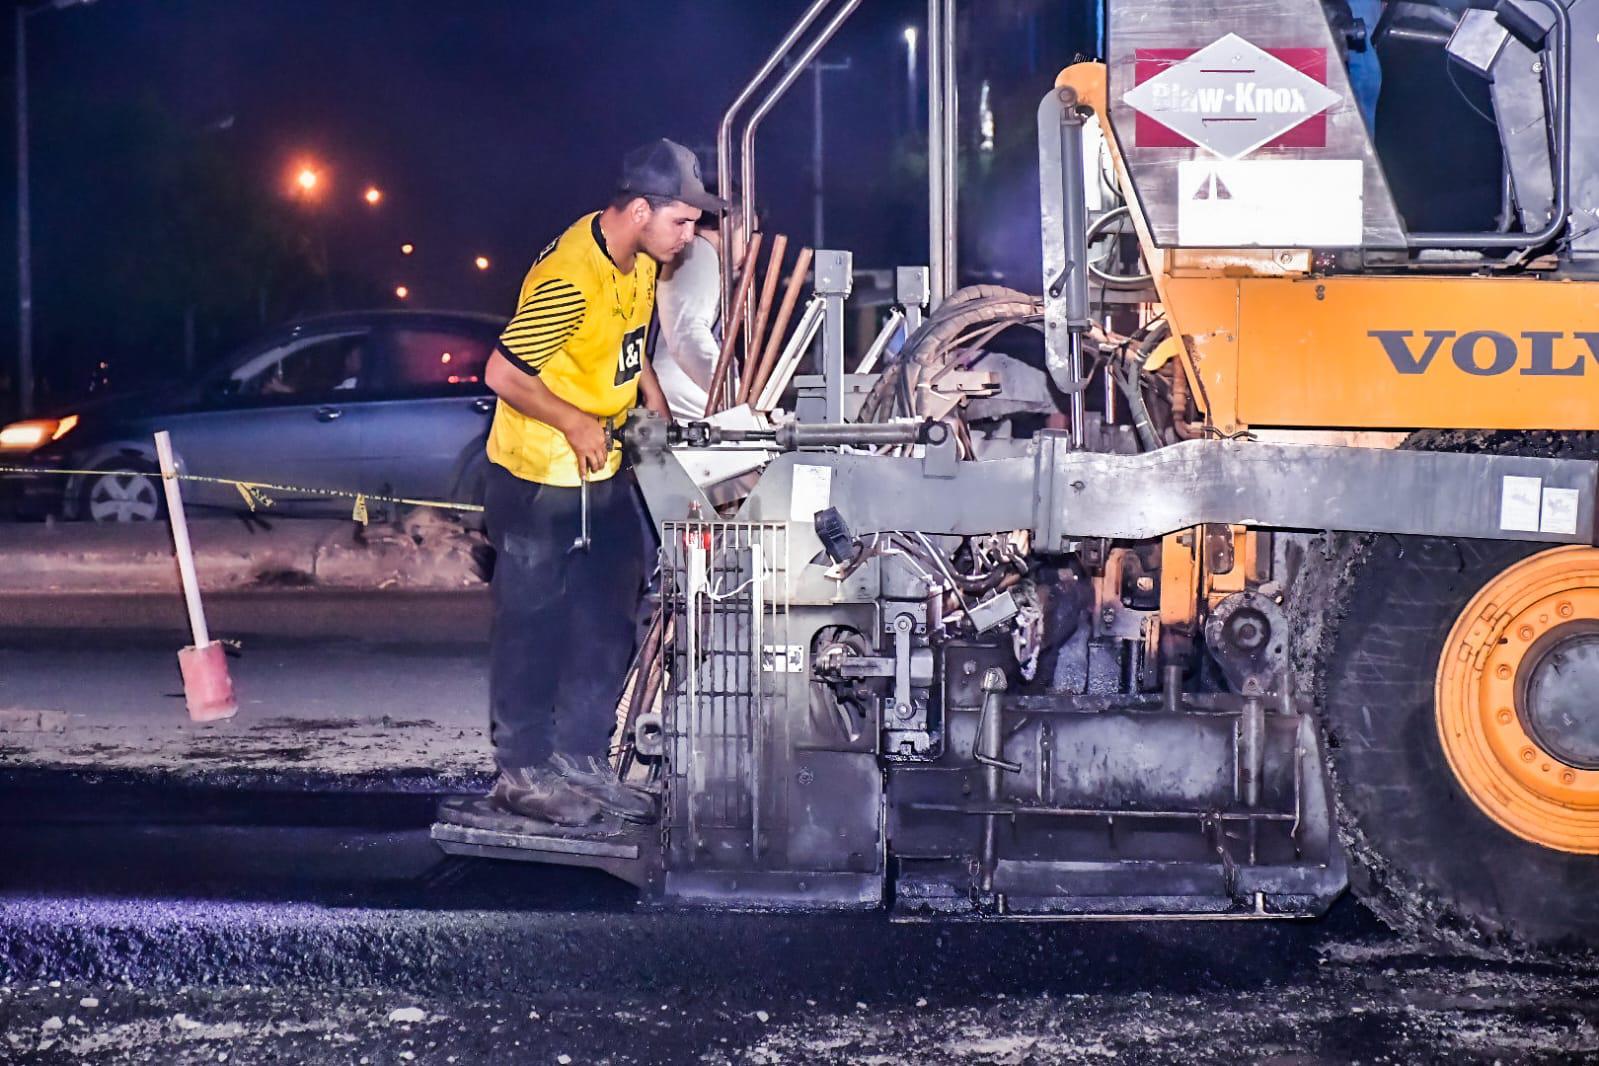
[{"x": 127, "y": 489}]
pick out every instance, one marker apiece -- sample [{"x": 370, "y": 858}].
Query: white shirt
[{"x": 689, "y": 304}]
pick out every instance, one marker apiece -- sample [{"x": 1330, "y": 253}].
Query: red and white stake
[{"x": 207, "y": 688}]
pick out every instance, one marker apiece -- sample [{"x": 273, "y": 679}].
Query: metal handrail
[
  {"x": 724, "y": 136},
  {"x": 747, "y": 141},
  {"x": 942, "y": 139}
]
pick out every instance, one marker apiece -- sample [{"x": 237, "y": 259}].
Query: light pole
[
  {"x": 818, "y": 68},
  {"x": 24, "y": 219},
  {"x": 910, "y": 78}
]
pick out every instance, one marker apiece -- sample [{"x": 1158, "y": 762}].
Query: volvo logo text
[{"x": 1487, "y": 353}]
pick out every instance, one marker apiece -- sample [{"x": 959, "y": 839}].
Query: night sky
[
  {"x": 165, "y": 134},
  {"x": 488, "y": 124}
]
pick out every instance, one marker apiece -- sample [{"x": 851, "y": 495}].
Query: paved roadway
[{"x": 160, "y": 917}]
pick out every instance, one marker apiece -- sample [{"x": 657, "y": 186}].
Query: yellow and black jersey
[{"x": 580, "y": 326}]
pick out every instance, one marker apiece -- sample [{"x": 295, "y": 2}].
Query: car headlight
[{"x": 35, "y": 432}]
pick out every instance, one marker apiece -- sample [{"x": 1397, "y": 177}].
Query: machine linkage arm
[
  {"x": 1062, "y": 494},
  {"x": 789, "y": 436}
]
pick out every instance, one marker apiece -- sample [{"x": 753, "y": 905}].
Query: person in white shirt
[{"x": 688, "y": 303}]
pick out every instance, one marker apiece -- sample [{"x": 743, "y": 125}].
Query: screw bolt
[
  {"x": 1528, "y": 755},
  {"x": 1568, "y": 777},
  {"x": 1565, "y": 609},
  {"x": 1503, "y": 672},
  {"x": 1504, "y": 717},
  {"x": 1525, "y": 632}
]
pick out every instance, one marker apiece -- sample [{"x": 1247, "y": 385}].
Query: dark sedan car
[{"x": 386, "y": 402}]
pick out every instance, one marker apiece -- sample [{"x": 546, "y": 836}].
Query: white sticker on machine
[
  {"x": 1272, "y": 203},
  {"x": 1559, "y": 513},
  {"x": 813, "y": 491},
  {"x": 782, "y": 659},
  {"x": 1519, "y": 503}
]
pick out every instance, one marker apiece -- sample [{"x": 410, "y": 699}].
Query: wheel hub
[
  {"x": 1517, "y": 712},
  {"x": 1558, "y": 694}
]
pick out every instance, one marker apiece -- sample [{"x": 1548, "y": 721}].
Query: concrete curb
[{"x": 426, "y": 553}]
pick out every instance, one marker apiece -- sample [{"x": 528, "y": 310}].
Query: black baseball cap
[{"x": 666, "y": 168}]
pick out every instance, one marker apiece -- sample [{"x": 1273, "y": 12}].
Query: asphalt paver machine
[{"x": 1268, "y": 571}]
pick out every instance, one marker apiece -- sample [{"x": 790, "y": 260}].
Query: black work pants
[{"x": 564, "y": 620}]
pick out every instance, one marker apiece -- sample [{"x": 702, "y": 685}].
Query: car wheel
[{"x": 124, "y": 490}]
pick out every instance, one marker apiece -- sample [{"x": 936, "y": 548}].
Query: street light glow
[
  {"x": 307, "y": 179},
  {"x": 373, "y": 195},
  {"x": 407, "y": 248},
  {"x": 910, "y": 36},
  {"x": 402, "y": 292},
  {"x": 481, "y": 262}
]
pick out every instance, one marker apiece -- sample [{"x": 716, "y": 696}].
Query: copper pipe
[
  {"x": 774, "y": 342},
  {"x": 752, "y": 350},
  {"x": 733, "y": 325}
]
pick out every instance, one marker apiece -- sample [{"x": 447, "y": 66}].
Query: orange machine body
[{"x": 1276, "y": 345}]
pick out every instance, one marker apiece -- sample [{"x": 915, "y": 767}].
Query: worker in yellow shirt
[{"x": 568, "y": 368}]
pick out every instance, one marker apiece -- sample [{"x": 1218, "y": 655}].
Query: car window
[
  {"x": 437, "y": 361},
  {"x": 308, "y": 368}
]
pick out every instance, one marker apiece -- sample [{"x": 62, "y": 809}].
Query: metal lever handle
[{"x": 329, "y": 414}]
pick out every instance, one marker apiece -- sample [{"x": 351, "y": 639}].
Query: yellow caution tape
[
  {"x": 256, "y": 493},
  {"x": 254, "y": 497}
]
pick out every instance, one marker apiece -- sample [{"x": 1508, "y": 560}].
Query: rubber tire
[
  {"x": 127, "y": 462},
  {"x": 1424, "y": 858}
]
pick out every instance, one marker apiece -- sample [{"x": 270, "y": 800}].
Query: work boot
[
  {"x": 544, "y": 796},
  {"x": 595, "y": 780}
]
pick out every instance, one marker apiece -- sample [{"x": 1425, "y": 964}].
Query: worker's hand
[{"x": 588, "y": 439}]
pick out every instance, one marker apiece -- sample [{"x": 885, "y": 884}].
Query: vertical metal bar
[
  {"x": 1251, "y": 749},
  {"x": 1064, "y": 214},
  {"x": 817, "y": 147},
  {"x": 693, "y": 765},
  {"x": 1252, "y": 759},
  {"x": 834, "y": 279},
  {"x": 951, "y": 156},
  {"x": 758, "y": 718},
  {"x": 935, "y": 153},
  {"x": 990, "y": 742}
]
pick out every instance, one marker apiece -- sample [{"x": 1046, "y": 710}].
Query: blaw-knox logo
[{"x": 1487, "y": 353}]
